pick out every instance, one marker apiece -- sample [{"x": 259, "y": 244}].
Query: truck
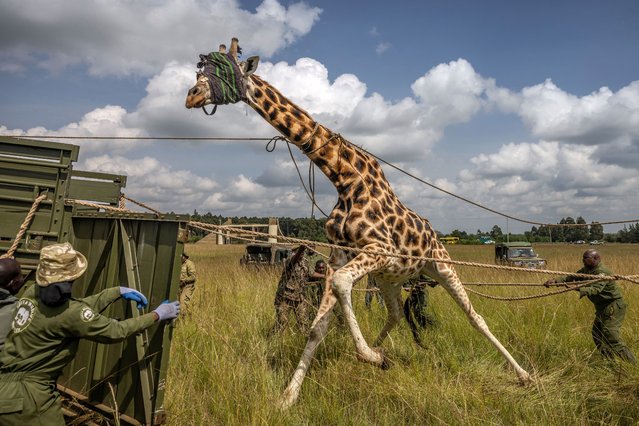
[
  {"x": 266, "y": 254},
  {"x": 519, "y": 253}
]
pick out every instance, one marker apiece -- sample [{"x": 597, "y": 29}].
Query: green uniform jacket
[
  {"x": 42, "y": 341},
  {"x": 187, "y": 273},
  {"x": 600, "y": 293},
  {"x": 7, "y": 303}
]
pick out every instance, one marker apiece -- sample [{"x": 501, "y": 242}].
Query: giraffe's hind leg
[
  {"x": 393, "y": 299},
  {"x": 317, "y": 333},
  {"x": 447, "y": 277}
]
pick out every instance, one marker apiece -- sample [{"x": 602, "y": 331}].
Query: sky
[{"x": 528, "y": 108}]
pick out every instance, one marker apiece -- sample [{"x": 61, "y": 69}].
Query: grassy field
[{"x": 225, "y": 371}]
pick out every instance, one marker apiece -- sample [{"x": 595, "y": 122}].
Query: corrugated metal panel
[{"x": 142, "y": 254}]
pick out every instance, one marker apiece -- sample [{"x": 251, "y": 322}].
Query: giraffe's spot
[
  {"x": 359, "y": 189},
  {"x": 282, "y": 108},
  {"x": 266, "y": 105},
  {"x": 375, "y": 191},
  {"x": 355, "y": 215},
  {"x": 258, "y": 93},
  {"x": 411, "y": 238},
  {"x": 346, "y": 154},
  {"x": 370, "y": 213},
  {"x": 284, "y": 129},
  {"x": 261, "y": 113},
  {"x": 360, "y": 165},
  {"x": 373, "y": 234},
  {"x": 296, "y": 113},
  {"x": 390, "y": 220},
  {"x": 396, "y": 239},
  {"x": 271, "y": 95},
  {"x": 419, "y": 225},
  {"x": 400, "y": 226},
  {"x": 416, "y": 252},
  {"x": 398, "y": 210},
  {"x": 373, "y": 171}
]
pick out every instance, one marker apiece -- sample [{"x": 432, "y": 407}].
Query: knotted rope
[{"x": 25, "y": 225}]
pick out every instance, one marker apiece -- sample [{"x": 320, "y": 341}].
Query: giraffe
[{"x": 368, "y": 215}]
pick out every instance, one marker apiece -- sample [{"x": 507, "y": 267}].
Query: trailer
[{"x": 44, "y": 200}]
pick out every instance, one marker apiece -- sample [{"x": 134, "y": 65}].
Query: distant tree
[
  {"x": 569, "y": 231},
  {"x": 496, "y": 233},
  {"x": 596, "y": 231},
  {"x": 581, "y": 232}
]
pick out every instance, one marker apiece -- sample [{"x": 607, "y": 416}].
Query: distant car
[
  {"x": 580, "y": 242},
  {"x": 518, "y": 253},
  {"x": 488, "y": 242},
  {"x": 266, "y": 254},
  {"x": 596, "y": 242}
]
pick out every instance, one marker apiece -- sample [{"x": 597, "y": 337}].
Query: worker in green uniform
[
  {"x": 187, "y": 283},
  {"x": 11, "y": 281},
  {"x": 45, "y": 331},
  {"x": 610, "y": 308}
]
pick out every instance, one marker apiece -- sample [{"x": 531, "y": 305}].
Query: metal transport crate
[{"x": 138, "y": 250}]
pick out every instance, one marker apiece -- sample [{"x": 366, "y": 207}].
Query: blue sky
[{"x": 531, "y": 108}]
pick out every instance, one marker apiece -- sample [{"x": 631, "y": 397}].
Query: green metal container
[{"x": 137, "y": 250}]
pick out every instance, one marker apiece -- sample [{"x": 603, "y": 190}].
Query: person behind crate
[
  {"x": 46, "y": 328},
  {"x": 187, "y": 283},
  {"x": 11, "y": 281}
]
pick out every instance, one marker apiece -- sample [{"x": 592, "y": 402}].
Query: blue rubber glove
[
  {"x": 131, "y": 294},
  {"x": 168, "y": 310}
]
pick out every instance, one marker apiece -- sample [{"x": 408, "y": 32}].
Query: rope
[
  {"x": 177, "y": 138},
  {"x": 534, "y": 296},
  {"x": 157, "y": 213},
  {"x": 631, "y": 278},
  {"x": 25, "y": 225}
]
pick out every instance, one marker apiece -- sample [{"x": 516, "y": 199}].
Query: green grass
[{"x": 225, "y": 371}]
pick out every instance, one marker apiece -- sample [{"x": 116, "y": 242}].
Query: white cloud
[
  {"x": 382, "y": 47},
  {"x": 157, "y": 184},
  {"x": 121, "y": 37},
  {"x": 601, "y": 117}
]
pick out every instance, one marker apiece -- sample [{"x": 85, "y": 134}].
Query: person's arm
[
  {"x": 592, "y": 288},
  {"x": 102, "y": 329},
  {"x": 103, "y": 299}
]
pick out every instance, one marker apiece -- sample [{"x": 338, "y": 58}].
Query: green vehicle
[
  {"x": 519, "y": 254},
  {"x": 266, "y": 254}
]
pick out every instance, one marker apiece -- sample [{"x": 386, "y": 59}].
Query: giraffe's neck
[{"x": 341, "y": 162}]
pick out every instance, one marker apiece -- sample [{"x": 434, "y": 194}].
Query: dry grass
[{"x": 225, "y": 371}]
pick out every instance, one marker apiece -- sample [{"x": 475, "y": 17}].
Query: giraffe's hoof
[
  {"x": 386, "y": 363},
  {"x": 525, "y": 379}
]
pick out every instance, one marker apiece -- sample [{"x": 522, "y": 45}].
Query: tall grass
[{"x": 225, "y": 371}]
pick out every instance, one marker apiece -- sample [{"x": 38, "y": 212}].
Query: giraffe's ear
[{"x": 250, "y": 65}]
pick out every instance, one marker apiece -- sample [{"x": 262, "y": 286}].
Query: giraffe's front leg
[{"x": 317, "y": 334}]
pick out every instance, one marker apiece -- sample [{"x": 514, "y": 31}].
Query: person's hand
[
  {"x": 550, "y": 282},
  {"x": 168, "y": 310},
  {"x": 131, "y": 294}
]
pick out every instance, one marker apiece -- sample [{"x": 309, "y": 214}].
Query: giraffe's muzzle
[{"x": 197, "y": 97}]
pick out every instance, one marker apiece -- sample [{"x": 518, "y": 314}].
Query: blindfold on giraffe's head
[{"x": 221, "y": 78}]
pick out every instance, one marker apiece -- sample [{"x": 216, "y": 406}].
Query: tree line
[{"x": 565, "y": 233}]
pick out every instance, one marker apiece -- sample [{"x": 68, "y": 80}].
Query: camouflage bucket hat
[{"x": 59, "y": 263}]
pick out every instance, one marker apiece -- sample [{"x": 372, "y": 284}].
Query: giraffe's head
[{"x": 222, "y": 77}]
